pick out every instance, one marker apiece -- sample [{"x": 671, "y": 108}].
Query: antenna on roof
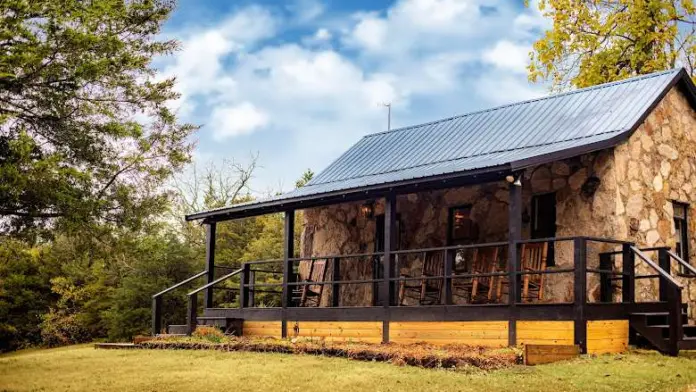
[{"x": 388, "y": 106}]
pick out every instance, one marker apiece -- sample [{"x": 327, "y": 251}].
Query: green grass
[{"x": 82, "y": 368}]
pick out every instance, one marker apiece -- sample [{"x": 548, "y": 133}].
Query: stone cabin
[{"x": 613, "y": 161}]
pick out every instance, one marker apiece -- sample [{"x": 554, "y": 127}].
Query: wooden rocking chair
[
  {"x": 426, "y": 291},
  {"x": 478, "y": 289},
  {"x": 533, "y": 259},
  {"x": 308, "y": 295}
]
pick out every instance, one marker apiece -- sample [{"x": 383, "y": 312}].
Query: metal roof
[{"x": 511, "y": 137}]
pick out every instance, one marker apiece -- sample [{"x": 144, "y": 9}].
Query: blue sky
[{"x": 297, "y": 82}]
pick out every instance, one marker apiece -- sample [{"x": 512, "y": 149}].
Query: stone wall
[
  {"x": 658, "y": 165},
  {"x": 623, "y": 193},
  {"x": 340, "y": 229}
]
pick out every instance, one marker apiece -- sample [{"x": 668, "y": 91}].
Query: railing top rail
[
  {"x": 451, "y": 247},
  {"x": 264, "y": 261},
  {"x": 371, "y": 254},
  {"x": 681, "y": 261},
  {"x": 571, "y": 238},
  {"x": 657, "y": 268},
  {"x": 216, "y": 281},
  {"x": 183, "y": 282}
]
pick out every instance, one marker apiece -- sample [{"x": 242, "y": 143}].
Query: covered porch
[{"x": 478, "y": 263}]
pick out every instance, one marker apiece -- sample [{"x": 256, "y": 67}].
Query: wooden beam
[
  {"x": 514, "y": 235},
  {"x": 387, "y": 291},
  {"x": 210, "y": 261},
  {"x": 628, "y": 288},
  {"x": 580, "y": 294},
  {"x": 288, "y": 264}
]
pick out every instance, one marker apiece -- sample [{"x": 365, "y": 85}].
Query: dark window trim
[
  {"x": 551, "y": 260},
  {"x": 450, "y": 220},
  {"x": 685, "y": 232}
]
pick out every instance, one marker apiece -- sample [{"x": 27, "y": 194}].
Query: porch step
[
  {"x": 658, "y": 318},
  {"x": 228, "y": 325},
  {"x": 653, "y": 328},
  {"x": 177, "y": 329},
  {"x": 688, "y": 343},
  {"x": 689, "y": 330}
]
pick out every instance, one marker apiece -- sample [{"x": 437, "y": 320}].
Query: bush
[
  {"x": 58, "y": 329},
  {"x": 208, "y": 333}
]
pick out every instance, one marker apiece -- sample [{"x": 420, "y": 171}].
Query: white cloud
[
  {"x": 508, "y": 56},
  {"x": 306, "y": 10},
  {"x": 318, "y": 92},
  {"x": 236, "y": 120}
]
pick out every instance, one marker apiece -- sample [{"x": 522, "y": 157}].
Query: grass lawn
[{"x": 82, "y": 368}]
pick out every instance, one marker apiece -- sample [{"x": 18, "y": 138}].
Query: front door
[{"x": 544, "y": 221}]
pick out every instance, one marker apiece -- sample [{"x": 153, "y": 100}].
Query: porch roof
[{"x": 499, "y": 140}]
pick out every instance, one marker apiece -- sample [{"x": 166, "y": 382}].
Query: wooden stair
[
  {"x": 228, "y": 325},
  {"x": 653, "y": 328}
]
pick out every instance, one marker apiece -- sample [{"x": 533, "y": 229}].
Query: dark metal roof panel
[{"x": 506, "y": 135}]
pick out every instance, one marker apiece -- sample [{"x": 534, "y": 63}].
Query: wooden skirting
[
  {"x": 363, "y": 331},
  {"x": 270, "y": 329},
  {"x": 480, "y": 333},
  {"x": 545, "y": 332},
  {"x": 603, "y": 336},
  {"x": 607, "y": 336}
]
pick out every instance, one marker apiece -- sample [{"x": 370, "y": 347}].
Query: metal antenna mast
[{"x": 388, "y": 105}]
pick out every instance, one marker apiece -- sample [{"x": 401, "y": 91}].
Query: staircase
[
  {"x": 654, "y": 329},
  {"x": 667, "y": 331},
  {"x": 230, "y": 326}
]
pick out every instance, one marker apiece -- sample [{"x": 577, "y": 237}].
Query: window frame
[
  {"x": 450, "y": 223},
  {"x": 684, "y": 240}
]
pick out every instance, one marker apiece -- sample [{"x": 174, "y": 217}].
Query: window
[
  {"x": 681, "y": 230},
  {"x": 462, "y": 229}
]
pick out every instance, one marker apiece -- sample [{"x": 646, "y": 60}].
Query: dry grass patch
[{"x": 420, "y": 355}]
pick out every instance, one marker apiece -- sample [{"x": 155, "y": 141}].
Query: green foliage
[
  {"x": 593, "y": 42},
  {"x": 86, "y": 132},
  {"x": 25, "y": 294}
]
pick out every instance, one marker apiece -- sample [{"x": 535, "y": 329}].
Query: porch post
[
  {"x": 580, "y": 294},
  {"x": 288, "y": 277},
  {"x": 514, "y": 235},
  {"x": 389, "y": 242},
  {"x": 210, "y": 261}
]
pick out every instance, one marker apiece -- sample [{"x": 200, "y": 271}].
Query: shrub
[{"x": 209, "y": 333}]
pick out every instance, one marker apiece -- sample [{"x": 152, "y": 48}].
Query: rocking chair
[
  {"x": 478, "y": 289},
  {"x": 533, "y": 260},
  {"x": 308, "y": 295},
  {"x": 425, "y": 291}
]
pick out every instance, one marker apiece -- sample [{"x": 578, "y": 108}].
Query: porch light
[
  {"x": 367, "y": 210},
  {"x": 514, "y": 180}
]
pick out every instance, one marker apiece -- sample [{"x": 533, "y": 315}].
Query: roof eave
[
  {"x": 680, "y": 78},
  {"x": 353, "y": 194}
]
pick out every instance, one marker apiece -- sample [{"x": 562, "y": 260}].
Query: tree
[
  {"x": 305, "y": 178},
  {"x": 86, "y": 133},
  {"x": 598, "y": 41}
]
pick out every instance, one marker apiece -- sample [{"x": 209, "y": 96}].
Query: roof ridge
[
  {"x": 580, "y": 90},
  {"x": 470, "y": 156}
]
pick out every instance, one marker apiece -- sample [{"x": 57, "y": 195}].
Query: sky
[{"x": 298, "y": 82}]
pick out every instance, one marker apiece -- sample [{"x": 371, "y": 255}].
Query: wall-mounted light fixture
[
  {"x": 514, "y": 179},
  {"x": 367, "y": 209},
  {"x": 590, "y": 186}
]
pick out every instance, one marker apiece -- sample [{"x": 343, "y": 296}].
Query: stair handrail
[
  {"x": 191, "y": 314},
  {"x": 674, "y": 302},
  {"x": 683, "y": 263},
  {"x": 663, "y": 274},
  {"x": 183, "y": 282},
  {"x": 157, "y": 301}
]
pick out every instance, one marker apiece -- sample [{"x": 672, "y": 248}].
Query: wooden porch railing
[{"x": 579, "y": 310}]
